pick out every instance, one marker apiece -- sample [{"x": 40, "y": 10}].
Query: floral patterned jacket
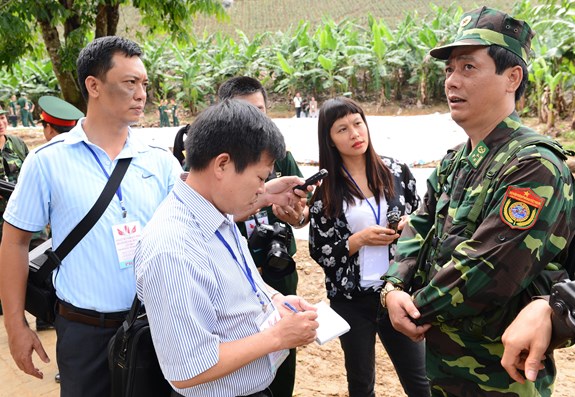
[{"x": 329, "y": 238}]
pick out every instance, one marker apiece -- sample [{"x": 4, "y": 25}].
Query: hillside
[{"x": 258, "y": 16}]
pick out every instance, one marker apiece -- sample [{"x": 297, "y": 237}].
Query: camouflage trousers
[{"x": 461, "y": 365}]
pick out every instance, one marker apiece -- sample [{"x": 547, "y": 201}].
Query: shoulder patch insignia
[{"x": 520, "y": 207}]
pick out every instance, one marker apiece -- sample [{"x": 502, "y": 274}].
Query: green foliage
[
  {"x": 66, "y": 26},
  {"x": 366, "y": 57}
]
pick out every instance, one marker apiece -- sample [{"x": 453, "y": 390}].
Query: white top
[
  {"x": 373, "y": 260},
  {"x": 297, "y": 101}
]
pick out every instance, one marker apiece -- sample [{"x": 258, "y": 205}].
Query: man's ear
[
  {"x": 514, "y": 77},
  {"x": 222, "y": 164},
  {"x": 92, "y": 86}
]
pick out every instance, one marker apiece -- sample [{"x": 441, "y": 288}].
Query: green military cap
[
  {"x": 59, "y": 112},
  {"x": 486, "y": 27},
  {"x": 2, "y": 111}
]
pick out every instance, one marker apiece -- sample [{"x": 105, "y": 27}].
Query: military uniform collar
[{"x": 496, "y": 138}]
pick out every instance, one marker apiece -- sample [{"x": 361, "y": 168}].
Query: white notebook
[{"x": 331, "y": 324}]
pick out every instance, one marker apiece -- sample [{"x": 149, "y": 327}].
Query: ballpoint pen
[{"x": 289, "y": 306}]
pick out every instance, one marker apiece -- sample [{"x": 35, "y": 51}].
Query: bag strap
[
  {"x": 95, "y": 212},
  {"x": 132, "y": 315}
]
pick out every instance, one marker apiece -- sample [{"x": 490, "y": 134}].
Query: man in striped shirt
[{"x": 218, "y": 329}]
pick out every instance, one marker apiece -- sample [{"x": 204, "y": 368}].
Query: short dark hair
[
  {"x": 234, "y": 127},
  {"x": 505, "y": 59},
  {"x": 60, "y": 129},
  {"x": 96, "y": 58},
  {"x": 241, "y": 86}
]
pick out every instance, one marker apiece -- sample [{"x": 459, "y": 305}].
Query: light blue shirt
[
  {"x": 59, "y": 183},
  {"x": 197, "y": 296}
]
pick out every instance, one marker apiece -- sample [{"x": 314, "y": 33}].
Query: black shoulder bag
[
  {"x": 40, "y": 292},
  {"x": 134, "y": 367}
]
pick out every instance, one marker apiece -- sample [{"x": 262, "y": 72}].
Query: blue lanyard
[
  {"x": 378, "y": 215},
  {"x": 119, "y": 190},
  {"x": 245, "y": 269}
]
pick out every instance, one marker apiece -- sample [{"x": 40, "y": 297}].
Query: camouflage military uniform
[
  {"x": 475, "y": 283},
  {"x": 13, "y": 155}
]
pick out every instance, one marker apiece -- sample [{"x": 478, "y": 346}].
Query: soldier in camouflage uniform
[
  {"x": 471, "y": 269},
  {"x": 13, "y": 150}
]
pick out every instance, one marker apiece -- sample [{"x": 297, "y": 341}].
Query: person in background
[
  {"x": 13, "y": 111},
  {"x": 163, "y": 112},
  {"x": 13, "y": 151},
  {"x": 31, "y": 108},
  {"x": 174, "y": 110},
  {"x": 297, "y": 104},
  {"x": 57, "y": 116},
  {"x": 24, "y": 105},
  {"x": 178, "y": 148},
  {"x": 217, "y": 328},
  {"x": 251, "y": 90},
  {"x": 59, "y": 183},
  {"x": 472, "y": 268},
  {"x": 354, "y": 224},
  {"x": 305, "y": 107},
  {"x": 313, "y": 107}
]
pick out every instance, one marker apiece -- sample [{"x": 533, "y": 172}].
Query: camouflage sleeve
[
  {"x": 402, "y": 270},
  {"x": 502, "y": 259}
]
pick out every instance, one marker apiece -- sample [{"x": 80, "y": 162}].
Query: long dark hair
[
  {"x": 179, "y": 148},
  {"x": 337, "y": 187}
]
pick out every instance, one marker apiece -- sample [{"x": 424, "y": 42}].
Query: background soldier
[{"x": 58, "y": 116}]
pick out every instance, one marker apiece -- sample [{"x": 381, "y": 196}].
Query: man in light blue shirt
[
  {"x": 59, "y": 183},
  {"x": 218, "y": 329}
]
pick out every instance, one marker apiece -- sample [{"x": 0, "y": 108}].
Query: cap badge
[{"x": 465, "y": 21}]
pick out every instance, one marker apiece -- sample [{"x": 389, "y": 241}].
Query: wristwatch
[
  {"x": 301, "y": 220},
  {"x": 387, "y": 288}
]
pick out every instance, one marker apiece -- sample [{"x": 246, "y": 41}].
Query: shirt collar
[
  {"x": 208, "y": 217},
  {"x": 500, "y": 135},
  {"x": 132, "y": 147}
]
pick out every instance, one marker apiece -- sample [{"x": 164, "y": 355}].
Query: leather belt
[{"x": 91, "y": 317}]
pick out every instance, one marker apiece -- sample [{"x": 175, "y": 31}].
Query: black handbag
[
  {"x": 134, "y": 367},
  {"x": 40, "y": 292}
]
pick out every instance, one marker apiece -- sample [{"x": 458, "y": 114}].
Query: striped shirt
[
  {"x": 58, "y": 184},
  {"x": 197, "y": 296}
]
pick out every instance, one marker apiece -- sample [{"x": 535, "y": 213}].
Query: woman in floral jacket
[{"x": 353, "y": 231}]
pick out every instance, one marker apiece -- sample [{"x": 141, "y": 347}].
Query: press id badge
[
  {"x": 251, "y": 223},
  {"x": 269, "y": 320},
  {"x": 126, "y": 236}
]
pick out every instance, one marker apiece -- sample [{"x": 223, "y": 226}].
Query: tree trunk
[
  {"x": 66, "y": 79},
  {"x": 107, "y": 19}
]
